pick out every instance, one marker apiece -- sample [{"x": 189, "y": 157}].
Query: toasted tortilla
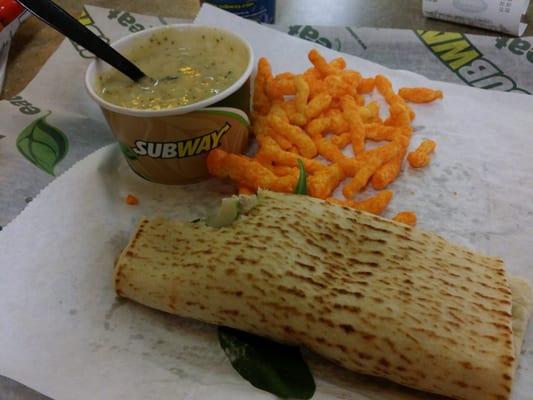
[{"x": 375, "y": 296}]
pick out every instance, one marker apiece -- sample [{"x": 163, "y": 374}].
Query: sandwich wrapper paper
[
  {"x": 65, "y": 333},
  {"x": 505, "y": 16}
]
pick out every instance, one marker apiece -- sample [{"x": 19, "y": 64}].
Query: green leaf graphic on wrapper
[
  {"x": 42, "y": 144},
  {"x": 267, "y": 365}
]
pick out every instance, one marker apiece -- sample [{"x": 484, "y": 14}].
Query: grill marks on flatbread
[{"x": 377, "y": 297}]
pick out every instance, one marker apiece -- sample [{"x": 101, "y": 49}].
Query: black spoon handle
[{"x": 64, "y": 23}]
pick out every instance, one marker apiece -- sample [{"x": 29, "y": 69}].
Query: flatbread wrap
[{"x": 375, "y": 296}]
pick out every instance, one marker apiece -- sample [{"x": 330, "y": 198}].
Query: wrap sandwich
[{"x": 375, "y": 296}]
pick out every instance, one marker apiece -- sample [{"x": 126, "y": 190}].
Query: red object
[
  {"x": 9, "y": 11},
  {"x": 132, "y": 200}
]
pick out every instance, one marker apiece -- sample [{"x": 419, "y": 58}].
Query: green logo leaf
[
  {"x": 301, "y": 185},
  {"x": 42, "y": 144},
  {"x": 270, "y": 366}
]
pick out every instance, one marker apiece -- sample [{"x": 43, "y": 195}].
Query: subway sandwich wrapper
[
  {"x": 506, "y": 16},
  {"x": 67, "y": 334}
]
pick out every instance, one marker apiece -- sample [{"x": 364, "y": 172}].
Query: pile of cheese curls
[{"x": 314, "y": 117}]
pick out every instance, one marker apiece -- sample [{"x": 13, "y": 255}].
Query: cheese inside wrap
[{"x": 375, "y": 296}]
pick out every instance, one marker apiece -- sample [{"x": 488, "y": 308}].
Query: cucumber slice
[{"x": 227, "y": 213}]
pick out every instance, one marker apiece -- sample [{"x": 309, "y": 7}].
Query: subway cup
[{"x": 170, "y": 146}]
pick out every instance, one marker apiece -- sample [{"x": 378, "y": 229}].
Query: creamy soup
[{"x": 204, "y": 62}]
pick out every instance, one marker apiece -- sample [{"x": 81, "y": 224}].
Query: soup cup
[{"x": 170, "y": 146}]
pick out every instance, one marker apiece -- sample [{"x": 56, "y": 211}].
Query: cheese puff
[
  {"x": 338, "y": 63},
  {"x": 322, "y": 183},
  {"x": 278, "y": 110},
  {"x": 216, "y": 163},
  {"x": 247, "y": 172},
  {"x": 294, "y": 150},
  {"x": 302, "y": 93},
  {"x": 262, "y": 159},
  {"x": 406, "y": 217},
  {"x": 261, "y": 128},
  {"x": 284, "y": 75},
  {"x": 352, "y": 78},
  {"x": 316, "y": 127},
  {"x": 375, "y": 204},
  {"x": 379, "y": 132},
  {"x": 420, "y": 157},
  {"x": 335, "y": 103},
  {"x": 328, "y": 150},
  {"x": 292, "y": 133},
  {"x": 317, "y": 105},
  {"x": 364, "y": 113},
  {"x": 282, "y": 170},
  {"x": 370, "y": 112},
  {"x": 261, "y": 102},
  {"x": 314, "y": 79},
  {"x": 336, "y": 86},
  {"x": 357, "y": 128},
  {"x": 295, "y": 117},
  {"x": 399, "y": 116},
  {"x": 384, "y": 86},
  {"x": 349, "y": 165},
  {"x": 338, "y": 124},
  {"x": 298, "y": 117},
  {"x": 260, "y": 125},
  {"x": 243, "y": 190},
  {"x": 348, "y": 103},
  {"x": 420, "y": 94},
  {"x": 312, "y": 73},
  {"x": 278, "y": 87},
  {"x": 342, "y": 140},
  {"x": 366, "y": 85},
  {"x": 367, "y": 165},
  {"x": 270, "y": 150},
  {"x": 321, "y": 64},
  {"x": 373, "y": 108},
  {"x": 387, "y": 173},
  {"x": 361, "y": 178},
  {"x": 359, "y": 100},
  {"x": 281, "y": 140}
]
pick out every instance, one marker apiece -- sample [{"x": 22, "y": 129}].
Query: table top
[{"x": 35, "y": 42}]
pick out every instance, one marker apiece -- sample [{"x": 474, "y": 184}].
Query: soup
[{"x": 203, "y": 62}]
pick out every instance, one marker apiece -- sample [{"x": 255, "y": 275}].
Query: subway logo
[
  {"x": 456, "y": 52},
  {"x": 181, "y": 148}
]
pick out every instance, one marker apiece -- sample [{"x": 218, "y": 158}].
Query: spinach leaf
[{"x": 276, "y": 368}]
